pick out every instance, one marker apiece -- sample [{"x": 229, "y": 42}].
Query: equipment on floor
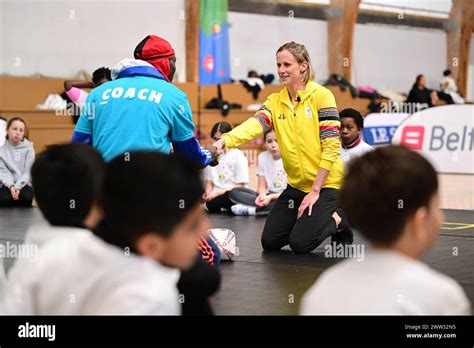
[{"x": 225, "y": 240}]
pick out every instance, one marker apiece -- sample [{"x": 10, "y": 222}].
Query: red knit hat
[{"x": 156, "y": 51}]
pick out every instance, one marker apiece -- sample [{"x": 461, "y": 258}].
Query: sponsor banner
[
  {"x": 444, "y": 135},
  {"x": 380, "y": 127}
]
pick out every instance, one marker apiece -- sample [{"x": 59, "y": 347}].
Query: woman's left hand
[{"x": 308, "y": 202}]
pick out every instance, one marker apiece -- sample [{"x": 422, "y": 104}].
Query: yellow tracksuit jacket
[{"x": 307, "y": 133}]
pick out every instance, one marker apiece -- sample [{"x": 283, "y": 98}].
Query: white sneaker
[{"x": 241, "y": 209}]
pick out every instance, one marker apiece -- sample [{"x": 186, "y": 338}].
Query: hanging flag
[{"x": 214, "y": 62}]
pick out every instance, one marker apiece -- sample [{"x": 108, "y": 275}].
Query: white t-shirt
[
  {"x": 273, "y": 171},
  {"x": 76, "y": 273},
  {"x": 448, "y": 85},
  {"x": 3, "y": 131},
  {"x": 233, "y": 168},
  {"x": 349, "y": 154},
  {"x": 384, "y": 283}
]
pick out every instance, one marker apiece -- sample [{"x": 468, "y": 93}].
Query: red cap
[{"x": 156, "y": 51}]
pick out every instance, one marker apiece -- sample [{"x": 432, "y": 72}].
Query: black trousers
[
  {"x": 25, "y": 198},
  {"x": 446, "y": 97},
  {"x": 222, "y": 201},
  {"x": 197, "y": 285},
  {"x": 305, "y": 234},
  {"x": 246, "y": 196}
]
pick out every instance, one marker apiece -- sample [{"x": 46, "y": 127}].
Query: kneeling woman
[{"x": 306, "y": 122}]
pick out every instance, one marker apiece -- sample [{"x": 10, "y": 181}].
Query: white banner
[
  {"x": 380, "y": 127},
  {"x": 444, "y": 135}
]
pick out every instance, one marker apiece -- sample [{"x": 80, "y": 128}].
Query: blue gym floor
[{"x": 257, "y": 283}]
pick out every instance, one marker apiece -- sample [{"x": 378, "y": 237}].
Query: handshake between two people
[{"x": 215, "y": 150}]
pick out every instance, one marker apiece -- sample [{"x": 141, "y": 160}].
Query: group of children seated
[
  {"x": 137, "y": 270},
  {"x": 226, "y": 184},
  {"x": 108, "y": 249}
]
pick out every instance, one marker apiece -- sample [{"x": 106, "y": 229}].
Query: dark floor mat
[{"x": 273, "y": 283}]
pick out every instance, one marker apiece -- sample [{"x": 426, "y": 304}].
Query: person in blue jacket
[{"x": 140, "y": 109}]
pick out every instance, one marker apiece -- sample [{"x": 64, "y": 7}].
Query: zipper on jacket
[{"x": 298, "y": 151}]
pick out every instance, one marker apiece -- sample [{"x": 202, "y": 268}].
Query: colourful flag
[{"x": 214, "y": 64}]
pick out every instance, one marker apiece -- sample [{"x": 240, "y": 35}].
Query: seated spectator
[
  {"x": 91, "y": 276},
  {"x": 419, "y": 94},
  {"x": 424, "y": 97},
  {"x": 352, "y": 145},
  {"x": 448, "y": 86},
  {"x": 272, "y": 181},
  {"x": 16, "y": 157},
  {"x": 231, "y": 172},
  {"x": 391, "y": 196},
  {"x": 171, "y": 235},
  {"x": 202, "y": 279}
]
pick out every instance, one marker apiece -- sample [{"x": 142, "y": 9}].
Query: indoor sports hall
[{"x": 237, "y": 157}]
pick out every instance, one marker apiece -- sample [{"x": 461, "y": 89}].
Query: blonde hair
[{"x": 301, "y": 55}]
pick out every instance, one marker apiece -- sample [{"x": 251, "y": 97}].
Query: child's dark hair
[
  {"x": 222, "y": 127},
  {"x": 447, "y": 72},
  {"x": 384, "y": 188},
  {"x": 101, "y": 74},
  {"x": 13, "y": 119},
  {"x": 149, "y": 192},
  {"x": 67, "y": 180},
  {"x": 268, "y": 131},
  {"x": 417, "y": 80},
  {"x": 252, "y": 73},
  {"x": 354, "y": 114}
]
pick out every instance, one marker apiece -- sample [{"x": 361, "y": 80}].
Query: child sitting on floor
[
  {"x": 272, "y": 180},
  {"x": 89, "y": 275},
  {"x": 391, "y": 196},
  {"x": 231, "y": 172},
  {"x": 16, "y": 157},
  {"x": 352, "y": 144}
]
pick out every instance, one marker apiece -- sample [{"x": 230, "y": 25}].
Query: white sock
[
  {"x": 241, "y": 209},
  {"x": 252, "y": 210}
]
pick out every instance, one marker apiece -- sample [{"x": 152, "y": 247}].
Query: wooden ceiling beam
[{"x": 341, "y": 26}]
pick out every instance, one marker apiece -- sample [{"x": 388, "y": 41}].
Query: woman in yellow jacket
[{"x": 306, "y": 122}]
